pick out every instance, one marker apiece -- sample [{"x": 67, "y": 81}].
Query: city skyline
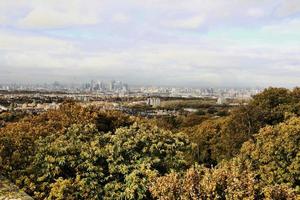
[
  {"x": 189, "y": 44},
  {"x": 82, "y": 83}
]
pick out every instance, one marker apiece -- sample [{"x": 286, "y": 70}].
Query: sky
[{"x": 199, "y": 43}]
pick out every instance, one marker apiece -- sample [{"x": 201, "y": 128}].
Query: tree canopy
[{"x": 76, "y": 152}]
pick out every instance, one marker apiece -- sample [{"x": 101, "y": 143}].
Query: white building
[
  {"x": 191, "y": 110},
  {"x": 221, "y": 101},
  {"x": 155, "y": 102}
]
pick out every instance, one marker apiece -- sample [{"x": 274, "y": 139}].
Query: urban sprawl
[{"x": 115, "y": 95}]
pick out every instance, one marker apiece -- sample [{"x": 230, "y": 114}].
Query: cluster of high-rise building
[
  {"x": 112, "y": 86},
  {"x": 154, "y": 102},
  {"x": 232, "y": 93},
  {"x": 92, "y": 86},
  {"x": 118, "y": 88}
]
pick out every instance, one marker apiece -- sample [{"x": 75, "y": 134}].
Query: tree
[
  {"x": 222, "y": 138},
  {"x": 230, "y": 180},
  {"x": 275, "y": 153},
  {"x": 138, "y": 154},
  {"x": 17, "y": 140},
  {"x": 60, "y": 155},
  {"x": 207, "y": 137},
  {"x": 234, "y": 179},
  {"x": 68, "y": 166}
]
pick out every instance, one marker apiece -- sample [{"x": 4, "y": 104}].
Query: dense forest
[{"x": 75, "y": 152}]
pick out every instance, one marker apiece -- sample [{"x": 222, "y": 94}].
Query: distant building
[
  {"x": 112, "y": 85},
  {"x": 221, "y": 101},
  {"x": 191, "y": 110},
  {"x": 155, "y": 102},
  {"x": 125, "y": 88}
]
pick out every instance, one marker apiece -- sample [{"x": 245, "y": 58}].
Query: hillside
[{"x": 80, "y": 152}]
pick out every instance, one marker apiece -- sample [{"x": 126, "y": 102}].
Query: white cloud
[
  {"x": 3, "y": 19},
  {"x": 120, "y": 18},
  {"x": 256, "y": 12},
  {"x": 289, "y": 26},
  {"x": 26, "y": 43},
  {"x": 288, "y": 7},
  {"x": 50, "y": 14},
  {"x": 9, "y": 10},
  {"x": 56, "y": 14},
  {"x": 188, "y": 23},
  {"x": 174, "y": 63},
  {"x": 40, "y": 18}
]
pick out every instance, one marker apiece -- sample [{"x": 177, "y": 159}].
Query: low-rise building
[
  {"x": 155, "y": 102},
  {"x": 221, "y": 101}
]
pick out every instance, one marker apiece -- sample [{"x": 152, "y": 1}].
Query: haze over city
[{"x": 182, "y": 43}]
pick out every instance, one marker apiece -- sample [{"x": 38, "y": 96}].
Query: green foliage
[
  {"x": 187, "y": 103},
  {"x": 68, "y": 165},
  {"x": 191, "y": 120},
  {"x": 272, "y": 105},
  {"x": 167, "y": 122},
  {"x": 7, "y": 116},
  {"x": 275, "y": 153},
  {"x": 211, "y": 110},
  {"x": 83, "y": 153},
  {"x": 208, "y": 139},
  {"x": 111, "y": 120},
  {"x": 77, "y": 153},
  {"x": 138, "y": 154},
  {"x": 222, "y": 138},
  {"x": 176, "y": 123},
  {"x": 231, "y": 180},
  {"x": 18, "y": 139},
  {"x": 222, "y": 113},
  {"x": 200, "y": 112},
  {"x": 279, "y": 192}
]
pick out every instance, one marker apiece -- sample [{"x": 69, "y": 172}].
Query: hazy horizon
[{"x": 250, "y": 43}]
